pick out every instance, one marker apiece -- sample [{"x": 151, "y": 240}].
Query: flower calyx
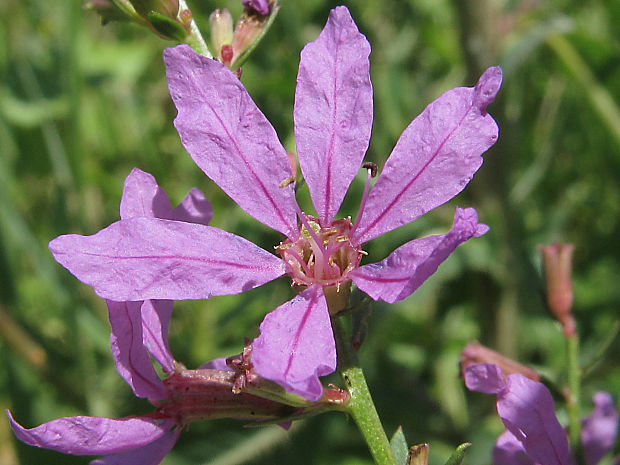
[{"x": 206, "y": 394}]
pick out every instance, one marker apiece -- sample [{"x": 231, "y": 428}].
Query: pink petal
[
  {"x": 216, "y": 364},
  {"x": 434, "y": 159},
  {"x": 151, "y": 454},
  {"x": 296, "y": 345},
  {"x": 142, "y": 197},
  {"x": 229, "y": 138},
  {"x": 93, "y": 435},
  {"x": 333, "y": 111},
  {"x": 527, "y": 410},
  {"x": 509, "y": 451},
  {"x": 484, "y": 377},
  {"x": 130, "y": 355},
  {"x": 400, "y": 274},
  {"x": 194, "y": 209},
  {"x": 599, "y": 430},
  {"x": 155, "y": 321},
  {"x": 149, "y": 258}
]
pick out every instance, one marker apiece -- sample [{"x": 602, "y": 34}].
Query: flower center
[{"x": 322, "y": 256}]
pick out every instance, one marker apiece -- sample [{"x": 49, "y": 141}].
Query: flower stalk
[
  {"x": 574, "y": 394},
  {"x": 361, "y": 406},
  {"x": 194, "y": 37}
]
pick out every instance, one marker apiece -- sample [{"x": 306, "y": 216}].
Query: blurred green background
[{"x": 82, "y": 104}]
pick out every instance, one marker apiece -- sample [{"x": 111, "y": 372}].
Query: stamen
[
  {"x": 319, "y": 259},
  {"x": 297, "y": 257},
  {"x": 371, "y": 173},
  {"x": 320, "y": 249},
  {"x": 288, "y": 181},
  {"x": 333, "y": 248},
  {"x": 372, "y": 167},
  {"x": 333, "y": 269}
]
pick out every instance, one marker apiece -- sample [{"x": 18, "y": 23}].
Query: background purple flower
[
  {"x": 234, "y": 144},
  {"x": 600, "y": 429},
  {"x": 533, "y": 434}
]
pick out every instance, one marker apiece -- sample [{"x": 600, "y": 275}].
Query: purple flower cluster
[
  {"x": 159, "y": 257},
  {"x": 156, "y": 254},
  {"x": 533, "y": 433}
]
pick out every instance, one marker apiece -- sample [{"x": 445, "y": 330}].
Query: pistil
[{"x": 371, "y": 172}]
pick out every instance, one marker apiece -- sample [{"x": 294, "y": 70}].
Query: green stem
[
  {"x": 194, "y": 38},
  {"x": 574, "y": 386},
  {"x": 360, "y": 405}
]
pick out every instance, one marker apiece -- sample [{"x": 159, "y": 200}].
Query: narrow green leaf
[
  {"x": 398, "y": 443},
  {"x": 599, "y": 355},
  {"x": 459, "y": 454}
]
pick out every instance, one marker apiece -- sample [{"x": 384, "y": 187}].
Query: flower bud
[
  {"x": 247, "y": 30},
  {"x": 221, "y": 23},
  {"x": 207, "y": 394},
  {"x": 477, "y": 353},
  {"x": 557, "y": 264}
]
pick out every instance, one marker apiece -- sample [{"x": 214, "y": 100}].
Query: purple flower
[
  {"x": 140, "y": 331},
  {"x": 599, "y": 429},
  {"x": 533, "y": 434},
  {"x": 260, "y": 6},
  {"x": 234, "y": 144}
]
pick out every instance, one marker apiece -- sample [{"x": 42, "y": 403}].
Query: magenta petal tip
[
  {"x": 487, "y": 87},
  {"x": 484, "y": 377}
]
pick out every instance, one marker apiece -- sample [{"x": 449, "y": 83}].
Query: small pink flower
[{"x": 234, "y": 144}]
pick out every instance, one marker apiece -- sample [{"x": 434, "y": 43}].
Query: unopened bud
[
  {"x": 221, "y": 23},
  {"x": 477, "y": 353},
  {"x": 170, "y": 7},
  {"x": 557, "y": 264},
  {"x": 185, "y": 18},
  {"x": 247, "y": 30},
  {"x": 206, "y": 394}
]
